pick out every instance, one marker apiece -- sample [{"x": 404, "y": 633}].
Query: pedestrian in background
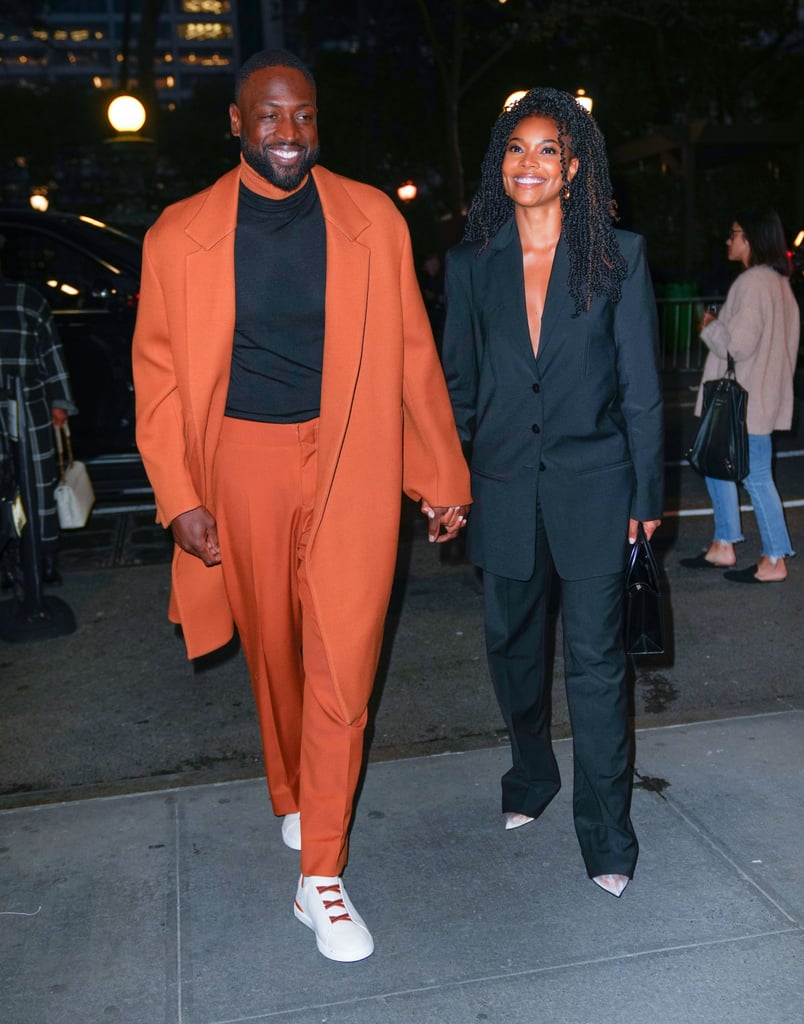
[
  {"x": 758, "y": 326},
  {"x": 551, "y": 352},
  {"x": 288, "y": 389},
  {"x": 30, "y": 350}
]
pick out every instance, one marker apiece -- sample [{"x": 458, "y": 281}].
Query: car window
[{"x": 65, "y": 275}]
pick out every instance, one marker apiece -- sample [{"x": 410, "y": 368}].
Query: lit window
[
  {"x": 199, "y": 30},
  {"x": 60, "y": 34},
  {"x": 39, "y": 34},
  {"x": 168, "y": 58},
  {"x": 170, "y": 81},
  {"x": 99, "y": 35},
  {"x": 97, "y": 81},
  {"x": 79, "y": 35},
  {"x": 206, "y": 6}
]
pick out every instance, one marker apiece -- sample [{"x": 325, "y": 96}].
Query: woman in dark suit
[{"x": 550, "y": 352}]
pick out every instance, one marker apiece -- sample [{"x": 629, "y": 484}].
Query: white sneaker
[
  {"x": 340, "y": 932},
  {"x": 291, "y": 831}
]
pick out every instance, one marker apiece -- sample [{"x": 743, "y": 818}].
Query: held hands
[
  {"x": 58, "y": 417},
  {"x": 452, "y": 518},
  {"x": 648, "y": 525},
  {"x": 197, "y": 533}
]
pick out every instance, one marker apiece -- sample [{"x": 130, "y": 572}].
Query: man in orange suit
[{"x": 288, "y": 389}]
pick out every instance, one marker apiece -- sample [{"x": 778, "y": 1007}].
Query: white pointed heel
[
  {"x": 615, "y": 884},
  {"x": 514, "y": 820}
]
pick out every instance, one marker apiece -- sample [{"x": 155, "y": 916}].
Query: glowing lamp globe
[
  {"x": 514, "y": 98},
  {"x": 407, "y": 192},
  {"x": 584, "y": 100},
  {"x": 126, "y": 114}
]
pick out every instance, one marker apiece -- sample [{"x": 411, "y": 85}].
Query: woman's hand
[
  {"x": 452, "y": 518},
  {"x": 648, "y": 525},
  {"x": 707, "y": 319}
]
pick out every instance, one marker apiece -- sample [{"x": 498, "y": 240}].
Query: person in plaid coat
[{"x": 30, "y": 349}]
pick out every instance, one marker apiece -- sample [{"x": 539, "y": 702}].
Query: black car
[{"x": 89, "y": 273}]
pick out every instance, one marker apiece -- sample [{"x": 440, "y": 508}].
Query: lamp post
[{"x": 130, "y": 163}]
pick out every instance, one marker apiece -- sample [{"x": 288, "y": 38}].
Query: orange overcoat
[{"x": 386, "y": 423}]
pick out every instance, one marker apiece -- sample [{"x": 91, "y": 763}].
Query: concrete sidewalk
[{"x": 175, "y": 906}]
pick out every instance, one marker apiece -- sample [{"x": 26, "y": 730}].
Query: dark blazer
[{"x": 578, "y": 429}]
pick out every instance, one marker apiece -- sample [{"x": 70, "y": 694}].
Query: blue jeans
[{"x": 764, "y": 497}]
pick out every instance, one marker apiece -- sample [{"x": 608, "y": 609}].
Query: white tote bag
[{"x": 74, "y": 493}]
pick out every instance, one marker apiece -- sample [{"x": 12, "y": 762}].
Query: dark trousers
[{"x": 516, "y": 614}]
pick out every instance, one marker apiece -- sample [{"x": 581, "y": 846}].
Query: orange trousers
[{"x": 263, "y": 490}]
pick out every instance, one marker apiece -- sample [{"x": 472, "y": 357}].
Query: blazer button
[
  {"x": 542, "y": 467},
  {"x": 536, "y": 389},
  {"x": 536, "y": 428}
]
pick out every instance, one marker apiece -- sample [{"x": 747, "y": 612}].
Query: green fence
[{"x": 679, "y": 320}]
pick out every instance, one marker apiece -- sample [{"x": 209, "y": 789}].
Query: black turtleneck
[{"x": 280, "y": 272}]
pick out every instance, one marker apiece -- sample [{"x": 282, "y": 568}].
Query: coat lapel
[
  {"x": 508, "y": 273},
  {"x": 210, "y": 313},
  {"x": 345, "y": 318},
  {"x": 557, "y": 302},
  {"x": 506, "y": 282}
]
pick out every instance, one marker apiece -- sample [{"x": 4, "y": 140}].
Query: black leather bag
[
  {"x": 644, "y": 620},
  {"x": 720, "y": 449}
]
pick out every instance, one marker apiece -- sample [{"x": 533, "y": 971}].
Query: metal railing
[{"x": 681, "y": 347}]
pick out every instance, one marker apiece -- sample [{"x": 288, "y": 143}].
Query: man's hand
[
  {"x": 197, "y": 533},
  {"x": 58, "y": 417},
  {"x": 451, "y": 517},
  {"x": 648, "y": 525}
]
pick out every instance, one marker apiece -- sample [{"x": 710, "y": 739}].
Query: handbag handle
[
  {"x": 642, "y": 567},
  {"x": 60, "y": 445}
]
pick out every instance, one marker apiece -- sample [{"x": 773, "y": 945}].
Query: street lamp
[
  {"x": 126, "y": 114},
  {"x": 407, "y": 191},
  {"x": 584, "y": 100}
]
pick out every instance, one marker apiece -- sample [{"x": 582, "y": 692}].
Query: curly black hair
[{"x": 597, "y": 266}]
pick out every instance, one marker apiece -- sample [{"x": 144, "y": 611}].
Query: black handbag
[
  {"x": 720, "y": 448},
  {"x": 644, "y": 621}
]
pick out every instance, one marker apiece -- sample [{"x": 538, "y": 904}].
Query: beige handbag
[{"x": 74, "y": 493}]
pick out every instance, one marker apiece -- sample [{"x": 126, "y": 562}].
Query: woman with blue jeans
[{"x": 759, "y": 327}]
